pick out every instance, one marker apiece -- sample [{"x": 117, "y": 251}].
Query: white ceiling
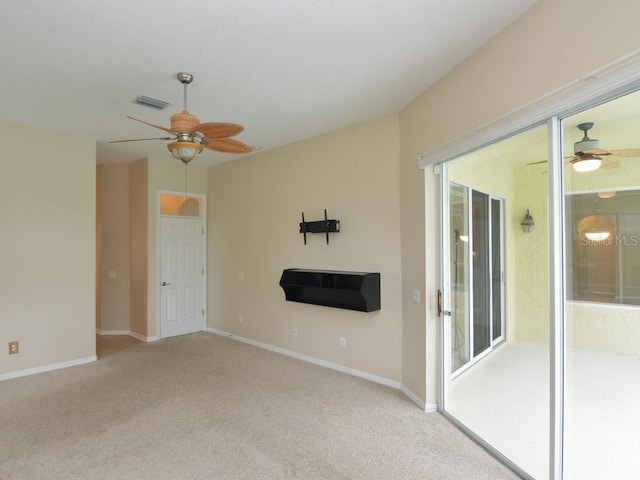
[{"x": 285, "y": 69}]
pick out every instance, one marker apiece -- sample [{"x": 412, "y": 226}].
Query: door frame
[{"x": 203, "y": 207}]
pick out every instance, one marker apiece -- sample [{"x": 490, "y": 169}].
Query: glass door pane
[
  {"x": 602, "y": 308},
  {"x": 498, "y": 386},
  {"x": 459, "y": 275},
  {"x": 481, "y": 283},
  {"x": 497, "y": 311}
]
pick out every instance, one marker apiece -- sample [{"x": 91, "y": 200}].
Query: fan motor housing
[
  {"x": 586, "y": 144},
  {"x": 184, "y": 122}
]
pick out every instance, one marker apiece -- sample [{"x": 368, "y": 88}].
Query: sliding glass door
[
  {"x": 541, "y": 325},
  {"x": 495, "y": 300}
]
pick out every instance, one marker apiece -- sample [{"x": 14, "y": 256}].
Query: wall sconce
[{"x": 527, "y": 223}]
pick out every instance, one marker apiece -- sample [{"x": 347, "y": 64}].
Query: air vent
[{"x": 152, "y": 102}]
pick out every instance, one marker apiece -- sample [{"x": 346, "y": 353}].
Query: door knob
[{"x": 164, "y": 284}]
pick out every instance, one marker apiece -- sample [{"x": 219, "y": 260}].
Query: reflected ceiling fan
[
  {"x": 588, "y": 156},
  {"x": 190, "y": 136}
]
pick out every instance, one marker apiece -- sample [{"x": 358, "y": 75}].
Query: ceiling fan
[
  {"x": 588, "y": 155},
  {"x": 190, "y": 136}
]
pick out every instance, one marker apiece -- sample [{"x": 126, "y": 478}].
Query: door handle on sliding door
[{"x": 440, "y": 310}]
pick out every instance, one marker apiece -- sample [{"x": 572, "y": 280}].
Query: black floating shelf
[{"x": 349, "y": 290}]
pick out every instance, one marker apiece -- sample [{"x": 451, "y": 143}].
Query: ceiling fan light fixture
[
  {"x": 185, "y": 151},
  {"x": 587, "y": 165}
]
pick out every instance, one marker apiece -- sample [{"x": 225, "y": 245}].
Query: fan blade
[
  {"x": 227, "y": 145},
  {"x": 537, "y": 163},
  {"x": 609, "y": 163},
  {"x": 152, "y": 125},
  {"x": 219, "y": 130},
  {"x": 632, "y": 152},
  {"x": 141, "y": 139}
]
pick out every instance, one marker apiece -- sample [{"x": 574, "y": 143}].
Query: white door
[{"x": 181, "y": 276}]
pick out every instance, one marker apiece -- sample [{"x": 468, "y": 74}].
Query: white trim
[
  {"x": 431, "y": 408},
  {"x": 600, "y": 84},
  {"x": 332, "y": 366},
  {"x": 426, "y": 407},
  {"x": 47, "y": 368},
  {"x": 142, "y": 338},
  {"x": 444, "y": 330},
  {"x": 557, "y": 295},
  {"x": 112, "y": 332}
]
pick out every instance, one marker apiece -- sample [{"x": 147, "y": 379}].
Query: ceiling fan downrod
[{"x": 185, "y": 78}]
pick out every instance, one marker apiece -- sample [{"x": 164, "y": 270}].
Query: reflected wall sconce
[{"x": 527, "y": 223}]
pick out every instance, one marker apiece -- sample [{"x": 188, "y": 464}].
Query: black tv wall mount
[{"x": 325, "y": 226}]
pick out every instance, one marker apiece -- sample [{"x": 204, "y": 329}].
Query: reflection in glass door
[{"x": 602, "y": 306}]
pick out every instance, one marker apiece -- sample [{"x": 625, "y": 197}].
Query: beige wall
[
  {"x": 138, "y": 221},
  {"x": 255, "y": 207},
  {"x": 115, "y": 305},
  {"x": 531, "y": 58},
  {"x": 98, "y": 247},
  {"x": 48, "y": 241}
]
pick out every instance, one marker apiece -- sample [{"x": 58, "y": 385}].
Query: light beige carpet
[{"x": 205, "y": 407}]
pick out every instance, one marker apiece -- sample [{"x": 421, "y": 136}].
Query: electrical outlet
[
  {"x": 240, "y": 318},
  {"x": 240, "y": 276},
  {"x": 343, "y": 342},
  {"x": 294, "y": 331},
  {"x": 14, "y": 347}
]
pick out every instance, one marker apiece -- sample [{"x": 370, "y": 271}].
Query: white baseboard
[
  {"x": 427, "y": 407},
  {"x": 142, "y": 338},
  {"x": 113, "y": 332},
  {"x": 333, "y": 366},
  {"x": 47, "y": 368},
  {"x": 413, "y": 397},
  {"x": 431, "y": 408}
]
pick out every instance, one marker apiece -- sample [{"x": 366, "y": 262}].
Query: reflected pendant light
[{"x": 595, "y": 233}]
